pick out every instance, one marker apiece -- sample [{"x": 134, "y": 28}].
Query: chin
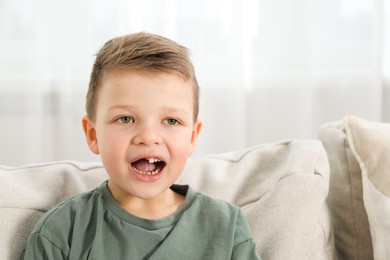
[{"x": 148, "y": 193}]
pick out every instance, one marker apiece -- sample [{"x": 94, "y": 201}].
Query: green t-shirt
[{"x": 94, "y": 226}]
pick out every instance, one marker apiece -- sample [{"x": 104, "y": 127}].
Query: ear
[
  {"x": 90, "y": 134},
  {"x": 195, "y": 134}
]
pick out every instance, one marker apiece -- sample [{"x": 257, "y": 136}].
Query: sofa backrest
[
  {"x": 359, "y": 192},
  {"x": 281, "y": 188},
  {"x": 345, "y": 200}
]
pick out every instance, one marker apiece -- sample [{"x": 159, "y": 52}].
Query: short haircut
[{"x": 143, "y": 52}]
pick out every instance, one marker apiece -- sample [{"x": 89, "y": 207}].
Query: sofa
[{"x": 327, "y": 198}]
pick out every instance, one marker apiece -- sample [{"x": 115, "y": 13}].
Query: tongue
[{"x": 144, "y": 166}]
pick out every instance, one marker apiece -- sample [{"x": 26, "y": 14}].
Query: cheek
[
  {"x": 111, "y": 145},
  {"x": 182, "y": 145}
]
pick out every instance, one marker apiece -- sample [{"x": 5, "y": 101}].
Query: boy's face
[{"x": 144, "y": 131}]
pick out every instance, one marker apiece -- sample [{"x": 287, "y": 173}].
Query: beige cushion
[
  {"x": 27, "y": 192},
  {"x": 349, "y": 218},
  {"x": 370, "y": 143},
  {"x": 280, "y": 187}
]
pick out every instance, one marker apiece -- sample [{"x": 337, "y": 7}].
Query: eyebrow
[
  {"x": 126, "y": 107},
  {"x": 174, "y": 110},
  {"x": 164, "y": 109}
]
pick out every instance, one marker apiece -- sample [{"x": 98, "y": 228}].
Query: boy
[{"x": 142, "y": 109}]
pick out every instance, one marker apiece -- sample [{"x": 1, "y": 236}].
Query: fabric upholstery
[
  {"x": 349, "y": 218},
  {"x": 281, "y": 188},
  {"x": 370, "y": 143}
]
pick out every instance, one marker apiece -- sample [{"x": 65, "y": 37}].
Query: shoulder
[
  {"x": 57, "y": 228},
  {"x": 216, "y": 207},
  {"x": 217, "y": 215},
  {"x": 216, "y": 204},
  {"x": 62, "y": 215},
  {"x": 212, "y": 208}
]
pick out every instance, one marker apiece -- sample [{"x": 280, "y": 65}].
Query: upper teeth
[{"x": 153, "y": 160}]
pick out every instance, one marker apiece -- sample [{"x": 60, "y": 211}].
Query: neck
[{"x": 163, "y": 205}]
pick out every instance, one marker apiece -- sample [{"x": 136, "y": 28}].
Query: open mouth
[{"x": 151, "y": 166}]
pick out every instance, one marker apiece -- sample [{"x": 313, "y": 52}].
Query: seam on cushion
[
  {"x": 316, "y": 171},
  {"x": 56, "y": 205},
  {"x": 325, "y": 239},
  {"x": 24, "y": 208},
  {"x": 250, "y": 150},
  {"x": 324, "y": 234},
  {"x": 353, "y": 192},
  {"x": 322, "y": 227},
  {"x": 361, "y": 165},
  {"x": 41, "y": 165}
]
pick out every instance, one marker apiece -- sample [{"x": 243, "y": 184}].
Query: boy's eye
[
  {"x": 125, "y": 119},
  {"x": 171, "y": 121}
]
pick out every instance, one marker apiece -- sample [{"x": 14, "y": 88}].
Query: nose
[{"x": 147, "y": 135}]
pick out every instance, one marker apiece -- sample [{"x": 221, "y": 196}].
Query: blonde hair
[{"x": 144, "y": 52}]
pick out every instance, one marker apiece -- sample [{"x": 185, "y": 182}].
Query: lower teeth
[{"x": 146, "y": 173}]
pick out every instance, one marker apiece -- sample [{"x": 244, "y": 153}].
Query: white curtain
[{"x": 268, "y": 69}]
